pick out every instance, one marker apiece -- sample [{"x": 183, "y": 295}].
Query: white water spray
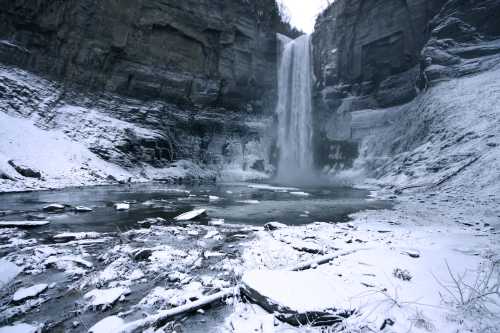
[{"x": 294, "y": 110}]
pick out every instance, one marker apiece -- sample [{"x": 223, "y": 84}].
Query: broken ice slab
[
  {"x": 122, "y": 206},
  {"x": 191, "y": 215},
  {"x": 54, "y": 208}
]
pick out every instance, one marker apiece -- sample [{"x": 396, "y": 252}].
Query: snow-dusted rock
[
  {"x": 19, "y": 328},
  {"x": 22, "y": 224},
  {"x": 74, "y": 259},
  {"x": 9, "y": 271},
  {"x": 270, "y": 226},
  {"x": 25, "y": 170},
  {"x": 108, "y": 325},
  {"x": 191, "y": 215},
  {"x": 83, "y": 209},
  {"x": 30, "y": 292},
  {"x": 122, "y": 206},
  {"x": 105, "y": 297},
  {"x": 54, "y": 208},
  {"x": 298, "y": 297}
]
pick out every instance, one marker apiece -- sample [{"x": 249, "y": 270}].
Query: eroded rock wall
[
  {"x": 380, "y": 69},
  {"x": 367, "y": 56},
  {"x": 205, "y": 52}
]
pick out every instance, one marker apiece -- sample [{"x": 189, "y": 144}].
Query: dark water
[{"x": 237, "y": 204}]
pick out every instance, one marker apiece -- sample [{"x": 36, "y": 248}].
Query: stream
[{"x": 155, "y": 264}]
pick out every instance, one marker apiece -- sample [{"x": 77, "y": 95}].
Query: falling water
[{"x": 294, "y": 109}]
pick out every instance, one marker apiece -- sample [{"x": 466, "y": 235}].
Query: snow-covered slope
[
  {"x": 61, "y": 161},
  {"x": 75, "y": 137},
  {"x": 449, "y": 137}
]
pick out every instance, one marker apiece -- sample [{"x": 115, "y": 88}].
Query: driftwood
[{"x": 167, "y": 315}]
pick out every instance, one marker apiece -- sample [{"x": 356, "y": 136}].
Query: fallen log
[
  {"x": 166, "y": 315},
  {"x": 322, "y": 260}
]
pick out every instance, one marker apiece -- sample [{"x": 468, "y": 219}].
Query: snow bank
[{"x": 63, "y": 162}]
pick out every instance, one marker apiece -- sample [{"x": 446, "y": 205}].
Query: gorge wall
[
  {"x": 186, "y": 80},
  {"x": 376, "y": 54},
  {"x": 202, "y": 52},
  {"x": 366, "y": 56}
]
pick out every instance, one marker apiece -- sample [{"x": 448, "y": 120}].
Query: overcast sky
[{"x": 303, "y": 12}]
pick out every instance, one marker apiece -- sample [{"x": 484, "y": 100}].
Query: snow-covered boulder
[
  {"x": 9, "y": 272},
  {"x": 19, "y": 328},
  {"x": 54, "y": 208},
  {"x": 30, "y": 292},
  {"x": 105, "y": 297},
  {"x": 108, "y": 325},
  {"x": 298, "y": 298}
]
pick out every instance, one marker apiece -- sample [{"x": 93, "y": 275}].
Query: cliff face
[
  {"x": 205, "y": 52},
  {"x": 395, "y": 88},
  {"x": 144, "y": 84}
]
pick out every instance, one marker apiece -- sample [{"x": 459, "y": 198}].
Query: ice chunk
[
  {"x": 22, "y": 224},
  {"x": 250, "y": 202},
  {"x": 272, "y": 188},
  {"x": 191, "y": 215},
  {"x": 300, "y": 194},
  {"x": 53, "y": 208},
  {"x": 83, "y": 209},
  {"x": 122, "y": 206}
]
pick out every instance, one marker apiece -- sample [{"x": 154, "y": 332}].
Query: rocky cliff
[
  {"x": 202, "y": 52},
  {"x": 142, "y": 84},
  {"x": 378, "y": 54}
]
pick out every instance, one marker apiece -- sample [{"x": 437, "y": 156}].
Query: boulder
[
  {"x": 299, "y": 298},
  {"x": 30, "y": 292}
]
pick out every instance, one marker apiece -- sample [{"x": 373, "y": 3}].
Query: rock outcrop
[
  {"x": 202, "y": 52},
  {"x": 366, "y": 56},
  {"x": 379, "y": 54}
]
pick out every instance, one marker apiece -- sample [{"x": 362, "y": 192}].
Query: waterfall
[{"x": 294, "y": 109}]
